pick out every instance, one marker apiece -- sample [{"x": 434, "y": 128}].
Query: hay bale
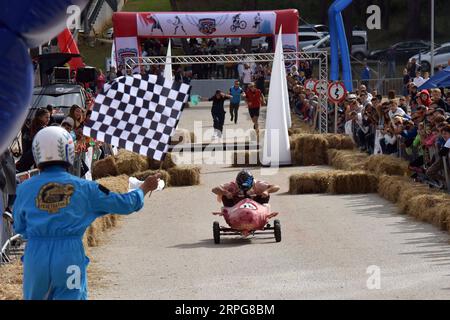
[
  {"x": 104, "y": 168},
  {"x": 144, "y": 174},
  {"x": 11, "y": 281},
  {"x": 115, "y": 184},
  {"x": 346, "y": 182},
  {"x": 307, "y": 183},
  {"x": 184, "y": 176},
  {"x": 390, "y": 187},
  {"x": 339, "y": 141},
  {"x": 386, "y": 164},
  {"x": 309, "y": 149},
  {"x": 167, "y": 163},
  {"x": 246, "y": 159},
  {"x": 417, "y": 200},
  {"x": 440, "y": 215},
  {"x": 347, "y": 160},
  {"x": 407, "y": 193},
  {"x": 130, "y": 162}
]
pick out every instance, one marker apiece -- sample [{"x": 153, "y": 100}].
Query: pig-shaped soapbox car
[{"x": 247, "y": 217}]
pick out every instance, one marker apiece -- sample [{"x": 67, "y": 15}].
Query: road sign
[
  {"x": 336, "y": 92},
  {"x": 321, "y": 87},
  {"x": 310, "y": 84}
]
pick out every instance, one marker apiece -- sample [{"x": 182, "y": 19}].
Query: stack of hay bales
[
  {"x": 352, "y": 182},
  {"x": 184, "y": 176},
  {"x": 145, "y": 174},
  {"x": 347, "y": 160},
  {"x": 385, "y": 164},
  {"x": 335, "y": 182},
  {"x": 167, "y": 163},
  {"x": 305, "y": 183},
  {"x": 309, "y": 149},
  {"x": 246, "y": 159},
  {"x": 417, "y": 200},
  {"x": 339, "y": 141},
  {"x": 127, "y": 164},
  {"x": 104, "y": 168},
  {"x": 130, "y": 162}
]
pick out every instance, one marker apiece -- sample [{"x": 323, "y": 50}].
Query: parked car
[
  {"x": 309, "y": 38},
  {"x": 321, "y": 28},
  {"x": 360, "y": 45},
  {"x": 441, "y": 57},
  {"x": 61, "y": 96},
  {"x": 403, "y": 50}
]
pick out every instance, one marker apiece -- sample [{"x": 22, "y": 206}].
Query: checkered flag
[{"x": 138, "y": 113}]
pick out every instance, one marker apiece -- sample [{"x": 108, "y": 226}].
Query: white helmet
[{"x": 53, "y": 145}]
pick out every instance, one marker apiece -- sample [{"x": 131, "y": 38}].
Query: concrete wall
[
  {"x": 105, "y": 16},
  {"x": 207, "y": 88}
]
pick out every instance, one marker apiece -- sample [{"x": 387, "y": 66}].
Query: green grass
[
  {"x": 147, "y": 5},
  {"x": 96, "y": 57}
]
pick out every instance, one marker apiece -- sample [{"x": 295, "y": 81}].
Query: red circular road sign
[
  {"x": 336, "y": 92},
  {"x": 321, "y": 87},
  {"x": 310, "y": 84}
]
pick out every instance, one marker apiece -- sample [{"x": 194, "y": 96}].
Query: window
[
  {"x": 308, "y": 38},
  {"x": 442, "y": 50},
  {"x": 357, "y": 40}
]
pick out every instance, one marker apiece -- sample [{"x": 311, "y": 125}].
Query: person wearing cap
[{"x": 52, "y": 211}]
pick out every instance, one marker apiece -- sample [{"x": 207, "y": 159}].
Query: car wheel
[{"x": 216, "y": 232}]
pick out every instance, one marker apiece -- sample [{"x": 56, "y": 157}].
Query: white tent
[{"x": 276, "y": 148}]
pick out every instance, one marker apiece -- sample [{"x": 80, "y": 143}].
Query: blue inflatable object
[
  {"x": 338, "y": 40},
  {"x": 24, "y": 24}
]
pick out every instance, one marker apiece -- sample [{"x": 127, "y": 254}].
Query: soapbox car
[{"x": 247, "y": 217}]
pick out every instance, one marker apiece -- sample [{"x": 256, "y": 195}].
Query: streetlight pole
[{"x": 432, "y": 38}]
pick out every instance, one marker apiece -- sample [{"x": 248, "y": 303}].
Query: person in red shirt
[{"x": 255, "y": 98}]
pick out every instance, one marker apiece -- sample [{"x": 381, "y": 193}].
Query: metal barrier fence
[{"x": 383, "y": 86}]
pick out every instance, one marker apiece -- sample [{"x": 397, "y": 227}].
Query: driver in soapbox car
[{"x": 245, "y": 186}]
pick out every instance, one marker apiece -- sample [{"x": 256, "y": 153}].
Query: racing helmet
[
  {"x": 245, "y": 180},
  {"x": 53, "y": 145}
]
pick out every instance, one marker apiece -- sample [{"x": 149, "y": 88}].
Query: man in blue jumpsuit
[{"x": 54, "y": 209}]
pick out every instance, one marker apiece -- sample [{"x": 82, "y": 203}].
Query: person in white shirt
[
  {"x": 246, "y": 76},
  {"x": 395, "y": 111},
  {"x": 418, "y": 80}
]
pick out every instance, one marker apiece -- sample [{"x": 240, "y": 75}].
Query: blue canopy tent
[{"x": 439, "y": 80}]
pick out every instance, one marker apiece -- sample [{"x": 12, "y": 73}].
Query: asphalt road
[
  {"x": 333, "y": 247},
  {"x": 166, "y": 251}
]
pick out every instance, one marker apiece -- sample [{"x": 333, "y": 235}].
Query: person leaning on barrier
[{"x": 53, "y": 210}]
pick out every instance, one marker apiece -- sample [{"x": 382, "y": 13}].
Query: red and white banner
[
  {"x": 217, "y": 24},
  {"x": 131, "y": 26}
]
